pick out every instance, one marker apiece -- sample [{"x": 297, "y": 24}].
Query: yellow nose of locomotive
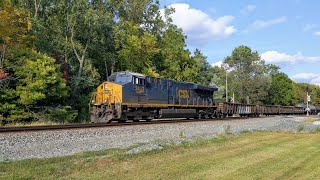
[
  {"x": 108, "y": 93},
  {"x": 106, "y": 102}
]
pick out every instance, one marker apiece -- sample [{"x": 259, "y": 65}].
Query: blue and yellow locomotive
[{"x": 133, "y": 96}]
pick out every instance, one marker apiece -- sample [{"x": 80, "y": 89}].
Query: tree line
[{"x": 53, "y": 54}]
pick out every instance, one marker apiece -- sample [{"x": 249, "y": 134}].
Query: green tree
[
  {"x": 177, "y": 63},
  {"x": 280, "y": 92},
  {"x": 38, "y": 84},
  {"x": 248, "y": 75},
  {"x": 136, "y": 49},
  {"x": 39, "y": 79},
  {"x": 205, "y": 73}
]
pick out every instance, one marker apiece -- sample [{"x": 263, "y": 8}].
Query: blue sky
[{"x": 285, "y": 33}]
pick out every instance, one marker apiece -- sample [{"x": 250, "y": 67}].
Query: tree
[
  {"x": 205, "y": 74},
  {"x": 14, "y": 25},
  {"x": 44, "y": 86},
  {"x": 280, "y": 91},
  {"x": 38, "y": 84},
  {"x": 177, "y": 63},
  {"x": 248, "y": 75},
  {"x": 136, "y": 49},
  {"x": 102, "y": 50}
]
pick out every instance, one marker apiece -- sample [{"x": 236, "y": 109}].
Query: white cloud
[
  {"x": 199, "y": 26},
  {"x": 219, "y": 63},
  {"x": 168, "y": 2},
  {"x": 316, "y": 80},
  {"x": 276, "y": 57},
  {"x": 308, "y": 27},
  {"x": 312, "y": 78},
  {"x": 305, "y": 76},
  {"x": 260, "y": 24},
  {"x": 317, "y": 33},
  {"x": 248, "y": 9}
]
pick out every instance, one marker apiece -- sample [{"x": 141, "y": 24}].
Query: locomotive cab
[{"x": 106, "y": 102}]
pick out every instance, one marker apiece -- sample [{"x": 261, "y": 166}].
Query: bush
[
  {"x": 37, "y": 83},
  {"x": 60, "y": 115},
  {"x": 300, "y": 127},
  {"x": 226, "y": 129},
  {"x": 181, "y": 134}
]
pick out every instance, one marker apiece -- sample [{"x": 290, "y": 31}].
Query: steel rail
[{"x": 115, "y": 124}]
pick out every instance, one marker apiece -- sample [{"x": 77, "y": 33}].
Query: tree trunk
[
  {"x": 2, "y": 55},
  {"x": 36, "y": 6},
  {"x": 80, "y": 70},
  {"x": 80, "y": 60}
]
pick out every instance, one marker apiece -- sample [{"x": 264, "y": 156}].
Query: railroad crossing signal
[{"x": 309, "y": 98}]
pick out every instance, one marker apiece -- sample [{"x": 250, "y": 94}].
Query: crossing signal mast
[{"x": 308, "y": 100}]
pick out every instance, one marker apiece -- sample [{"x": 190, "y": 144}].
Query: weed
[
  {"x": 181, "y": 134},
  {"x": 300, "y": 127},
  {"x": 245, "y": 131},
  {"x": 226, "y": 129}
]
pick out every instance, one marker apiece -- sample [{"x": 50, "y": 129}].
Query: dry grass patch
[{"x": 36, "y": 123}]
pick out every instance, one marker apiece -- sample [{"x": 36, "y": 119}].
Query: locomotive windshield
[{"x": 122, "y": 78}]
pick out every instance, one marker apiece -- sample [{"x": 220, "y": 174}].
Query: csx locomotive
[{"x": 132, "y": 96}]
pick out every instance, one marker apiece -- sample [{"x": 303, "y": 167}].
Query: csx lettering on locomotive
[{"x": 183, "y": 93}]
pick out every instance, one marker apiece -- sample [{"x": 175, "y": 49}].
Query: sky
[{"x": 285, "y": 33}]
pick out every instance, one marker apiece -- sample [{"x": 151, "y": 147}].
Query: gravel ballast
[{"x": 43, "y": 144}]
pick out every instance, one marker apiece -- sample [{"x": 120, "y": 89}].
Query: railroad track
[{"x": 101, "y": 125}]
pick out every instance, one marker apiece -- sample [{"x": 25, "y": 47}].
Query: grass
[
  {"x": 34, "y": 123},
  {"x": 255, "y": 155},
  {"x": 311, "y": 120}
]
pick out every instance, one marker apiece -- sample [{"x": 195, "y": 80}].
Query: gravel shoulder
[{"x": 44, "y": 144}]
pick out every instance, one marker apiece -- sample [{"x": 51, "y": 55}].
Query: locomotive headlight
[{"x": 105, "y": 86}]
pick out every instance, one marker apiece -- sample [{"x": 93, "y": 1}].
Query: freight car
[
  {"x": 249, "y": 110},
  {"x": 133, "y": 96}
]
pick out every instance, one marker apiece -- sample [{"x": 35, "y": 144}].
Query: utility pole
[{"x": 226, "y": 86}]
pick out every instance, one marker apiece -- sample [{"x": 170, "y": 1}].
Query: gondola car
[{"x": 133, "y": 96}]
